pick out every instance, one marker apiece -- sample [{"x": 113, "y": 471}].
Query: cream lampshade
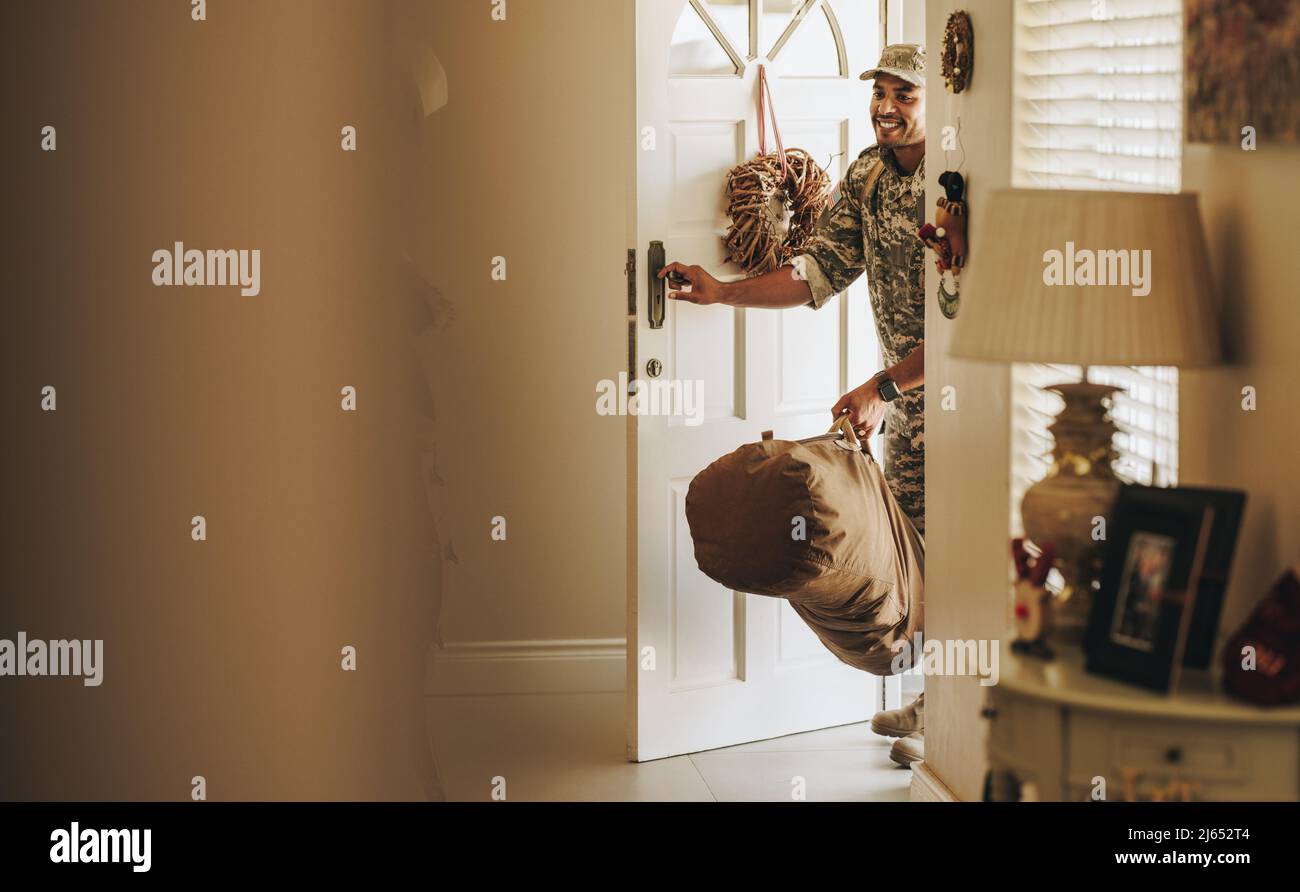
[
  {"x": 1085, "y": 278},
  {"x": 1010, "y": 313}
]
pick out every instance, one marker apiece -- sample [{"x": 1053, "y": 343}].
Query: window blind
[
  {"x": 1097, "y": 105},
  {"x": 1098, "y": 94}
]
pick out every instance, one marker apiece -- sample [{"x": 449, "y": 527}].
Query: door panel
[
  {"x": 709, "y": 346},
  {"x": 710, "y": 667},
  {"x": 707, "y": 622},
  {"x": 797, "y": 646}
]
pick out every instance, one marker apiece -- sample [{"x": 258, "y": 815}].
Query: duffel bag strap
[{"x": 845, "y": 429}]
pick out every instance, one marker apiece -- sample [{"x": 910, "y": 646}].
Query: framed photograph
[
  {"x": 1228, "y": 505},
  {"x": 1141, "y": 615},
  {"x": 1142, "y": 589}
]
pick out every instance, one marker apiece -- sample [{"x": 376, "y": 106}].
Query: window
[
  {"x": 716, "y": 38},
  {"x": 1098, "y": 105}
]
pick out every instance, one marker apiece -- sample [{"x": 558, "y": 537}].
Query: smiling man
[{"x": 871, "y": 228}]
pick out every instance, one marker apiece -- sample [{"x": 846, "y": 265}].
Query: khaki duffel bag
[{"x": 813, "y": 522}]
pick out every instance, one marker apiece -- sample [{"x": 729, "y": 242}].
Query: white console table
[{"x": 1056, "y": 729}]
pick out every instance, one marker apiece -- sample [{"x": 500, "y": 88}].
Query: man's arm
[
  {"x": 777, "y": 290},
  {"x": 909, "y": 374},
  {"x": 865, "y": 406},
  {"x": 831, "y": 261}
]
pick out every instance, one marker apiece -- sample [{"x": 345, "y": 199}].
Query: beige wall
[
  {"x": 222, "y": 658},
  {"x": 1244, "y": 201},
  {"x": 526, "y": 161},
  {"x": 967, "y": 467}
]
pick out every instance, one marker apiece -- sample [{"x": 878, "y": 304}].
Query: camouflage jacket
[{"x": 876, "y": 233}]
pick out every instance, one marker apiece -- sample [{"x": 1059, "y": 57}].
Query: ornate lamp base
[{"x": 1067, "y": 508}]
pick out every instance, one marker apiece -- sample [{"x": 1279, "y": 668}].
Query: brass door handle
[{"x": 658, "y": 286}]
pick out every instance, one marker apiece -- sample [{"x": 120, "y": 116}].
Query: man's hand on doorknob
[{"x": 704, "y": 288}]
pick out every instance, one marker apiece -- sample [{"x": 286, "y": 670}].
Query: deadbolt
[{"x": 654, "y": 368}]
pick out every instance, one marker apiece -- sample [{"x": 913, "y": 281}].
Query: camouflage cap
[{"x": 905, "y": 60}]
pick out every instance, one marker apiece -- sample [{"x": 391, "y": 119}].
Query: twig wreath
[
  {"x": 773, "y": 200},
  {"x": 958, "y": 63}
]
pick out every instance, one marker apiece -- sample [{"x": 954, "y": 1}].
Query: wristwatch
[{"x": 887, "y": 389}]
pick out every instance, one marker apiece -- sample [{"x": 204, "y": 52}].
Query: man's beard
[{"x": 897, "y": 137}]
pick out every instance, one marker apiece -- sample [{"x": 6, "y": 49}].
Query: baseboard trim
[
  {"x": 928, "y": 787},
  {"x": 552, "y": 666}
]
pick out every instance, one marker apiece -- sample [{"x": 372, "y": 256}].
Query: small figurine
[
  {"x": 947, "y": 239},
  {"x": 937, "y": 241},
  {"x": 951, "y": 215},
  {"x": 1032, "y": 608}
]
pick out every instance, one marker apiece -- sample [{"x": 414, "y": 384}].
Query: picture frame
[
  {"x": 1229, "y": 505},
  {"x": 1141, "y": 615}
]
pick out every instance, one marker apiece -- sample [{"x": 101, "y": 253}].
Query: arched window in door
[{"x": 719, "y": 38}]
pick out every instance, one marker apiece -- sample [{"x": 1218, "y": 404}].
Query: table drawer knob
[{"x": 1174, "y": 755}]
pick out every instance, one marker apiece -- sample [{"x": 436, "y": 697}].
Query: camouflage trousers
[{"x": 904, "y": 463}]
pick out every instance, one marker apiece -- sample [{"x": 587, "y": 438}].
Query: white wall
[{"x": 967, "y": 465}]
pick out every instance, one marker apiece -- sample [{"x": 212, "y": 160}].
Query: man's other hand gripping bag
[{"x": 853, "y": 567}]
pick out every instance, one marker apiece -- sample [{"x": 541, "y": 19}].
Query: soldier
[{"x": 871, "y": 228}]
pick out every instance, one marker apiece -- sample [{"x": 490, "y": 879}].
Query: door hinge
[
  {"x": 629, "y": 269},
  {"x": 631, "y": 357}
]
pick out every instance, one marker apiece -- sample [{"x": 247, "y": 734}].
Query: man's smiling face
[{"x": 897, "y": 112}]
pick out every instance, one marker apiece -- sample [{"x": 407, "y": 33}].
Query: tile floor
[{"x": 571, "y": 747}]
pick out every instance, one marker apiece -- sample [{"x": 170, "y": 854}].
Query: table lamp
[{"x": 1085, "y": 278}]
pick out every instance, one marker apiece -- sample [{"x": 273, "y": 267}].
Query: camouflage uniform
[{"x": 876, "y": 234}]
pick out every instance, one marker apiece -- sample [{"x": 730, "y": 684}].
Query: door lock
[{"x": 654, "y": 368}]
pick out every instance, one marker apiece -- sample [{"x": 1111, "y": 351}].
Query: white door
[{"x": 710, "y": 667}]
